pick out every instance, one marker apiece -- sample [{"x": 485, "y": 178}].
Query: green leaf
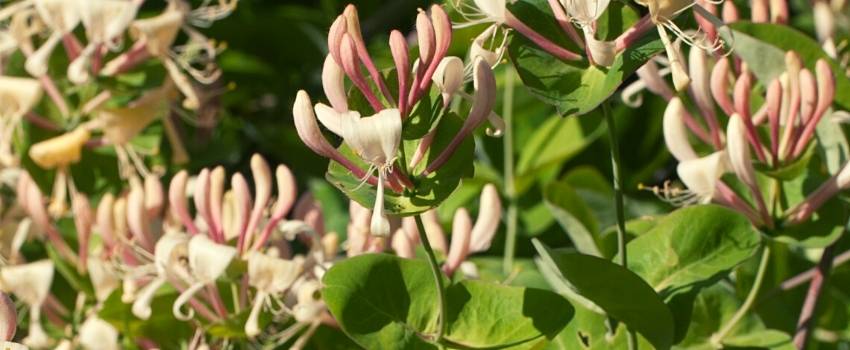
[
  {"x": 429, "y": 190},
  {"x": 553, "y": 143},
  {"x": 763, "y": 47},
  {"x": 712, "y": 309},
  {"x": 381, "y": 299},
  {"x": 574, "y": 87},
  {"x": 691, "y": 246},
  {"x": 574, "y": 216},
  {"x": 621, "y": 293}
]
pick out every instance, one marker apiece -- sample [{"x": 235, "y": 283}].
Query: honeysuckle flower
[
  {"x": 31, "y": 284},
  {"x": 449, "y": 77},
  {"x": 170, "y": 250},
  {"x": 309, "y": 304},
  {"x": 269, "y": 275},
  {"x": 61, "y": 16},
  {"x": 489, "y": 46},
  {"x": 701, "y": 176},
  {"x": 104, "y": 277},
  {"x": 207, "y": 261},
  {"x": 159, "y": 33},
  {"x": 585, "y": 13},
  {"x": 104, "y": 21},
  {"x": 97, "y": 334},
  {"x": 18, "y": 96}
]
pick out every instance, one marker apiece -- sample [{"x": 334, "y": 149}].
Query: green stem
[
  {"x": 510, "y": 184},
  {"x": 618, "y": 199},
  {"x": 438, "y": 277},
  {"x": 618, "y": 187},
  {"x": 717, "y": 338}
]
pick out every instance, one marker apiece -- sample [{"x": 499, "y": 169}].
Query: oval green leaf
[
  {"x": 621, "y": 293},
  {"x": 691, "y": 246}
]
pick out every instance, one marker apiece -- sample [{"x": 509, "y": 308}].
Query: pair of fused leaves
[
  {"x": 670, "y": 259},
  {"x": 382, "y": 300}
]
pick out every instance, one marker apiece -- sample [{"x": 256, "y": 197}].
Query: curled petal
[
  {"x": 449, "y": 77},
  {"x": 675, "y": 133},
  {"x": 701, "y": 175},
  {"x": 8, "y": 318}
]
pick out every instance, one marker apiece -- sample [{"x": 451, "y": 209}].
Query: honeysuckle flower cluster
[
  {"x": 376, "y": 138},
  {"x": 189, "y": 236},
  {"x": 794, "y": 104},
  {"x": 116, "y": 41}
]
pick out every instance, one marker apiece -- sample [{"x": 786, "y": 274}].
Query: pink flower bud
[
  {"x": 826, "y": 94},
  {"x": 720, "y": 86},
  {"x": 461, "y": 232},
  {"x": 104, "y": 219},
  {"x": 262, "y": 191},
  {"x": 487, "y": 222},
  {"x": 137, "y": 219},
  {"x": 242, "y": 199},
  {"x": 177, "y": 201},
  {"x": 485, "y": 97},
  {"x": 434, "y": 230},
  {"x": 154, "y": 196},
  {"x": 216, "y": 202},
  {"x": 83, "y": 219},
  {"x": 338, "y": 28},
  {"x": 401, "y": 58},
  {"x": 200, "y": 196},
  {"x": 730, "y": 12},
  {"x": 402, "y": 245},
  {"x": 760, "y": 11},
  {"x": 809, "y": 94},
  {"x": 308, "y": 128},
  {"x": 425, "y": 36},
  {"x": 333, "y": 83},
  {"x": 774, "y": 105},
  {"x": 779, "y": 11},
  {"x": 8, "y": 318}
]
